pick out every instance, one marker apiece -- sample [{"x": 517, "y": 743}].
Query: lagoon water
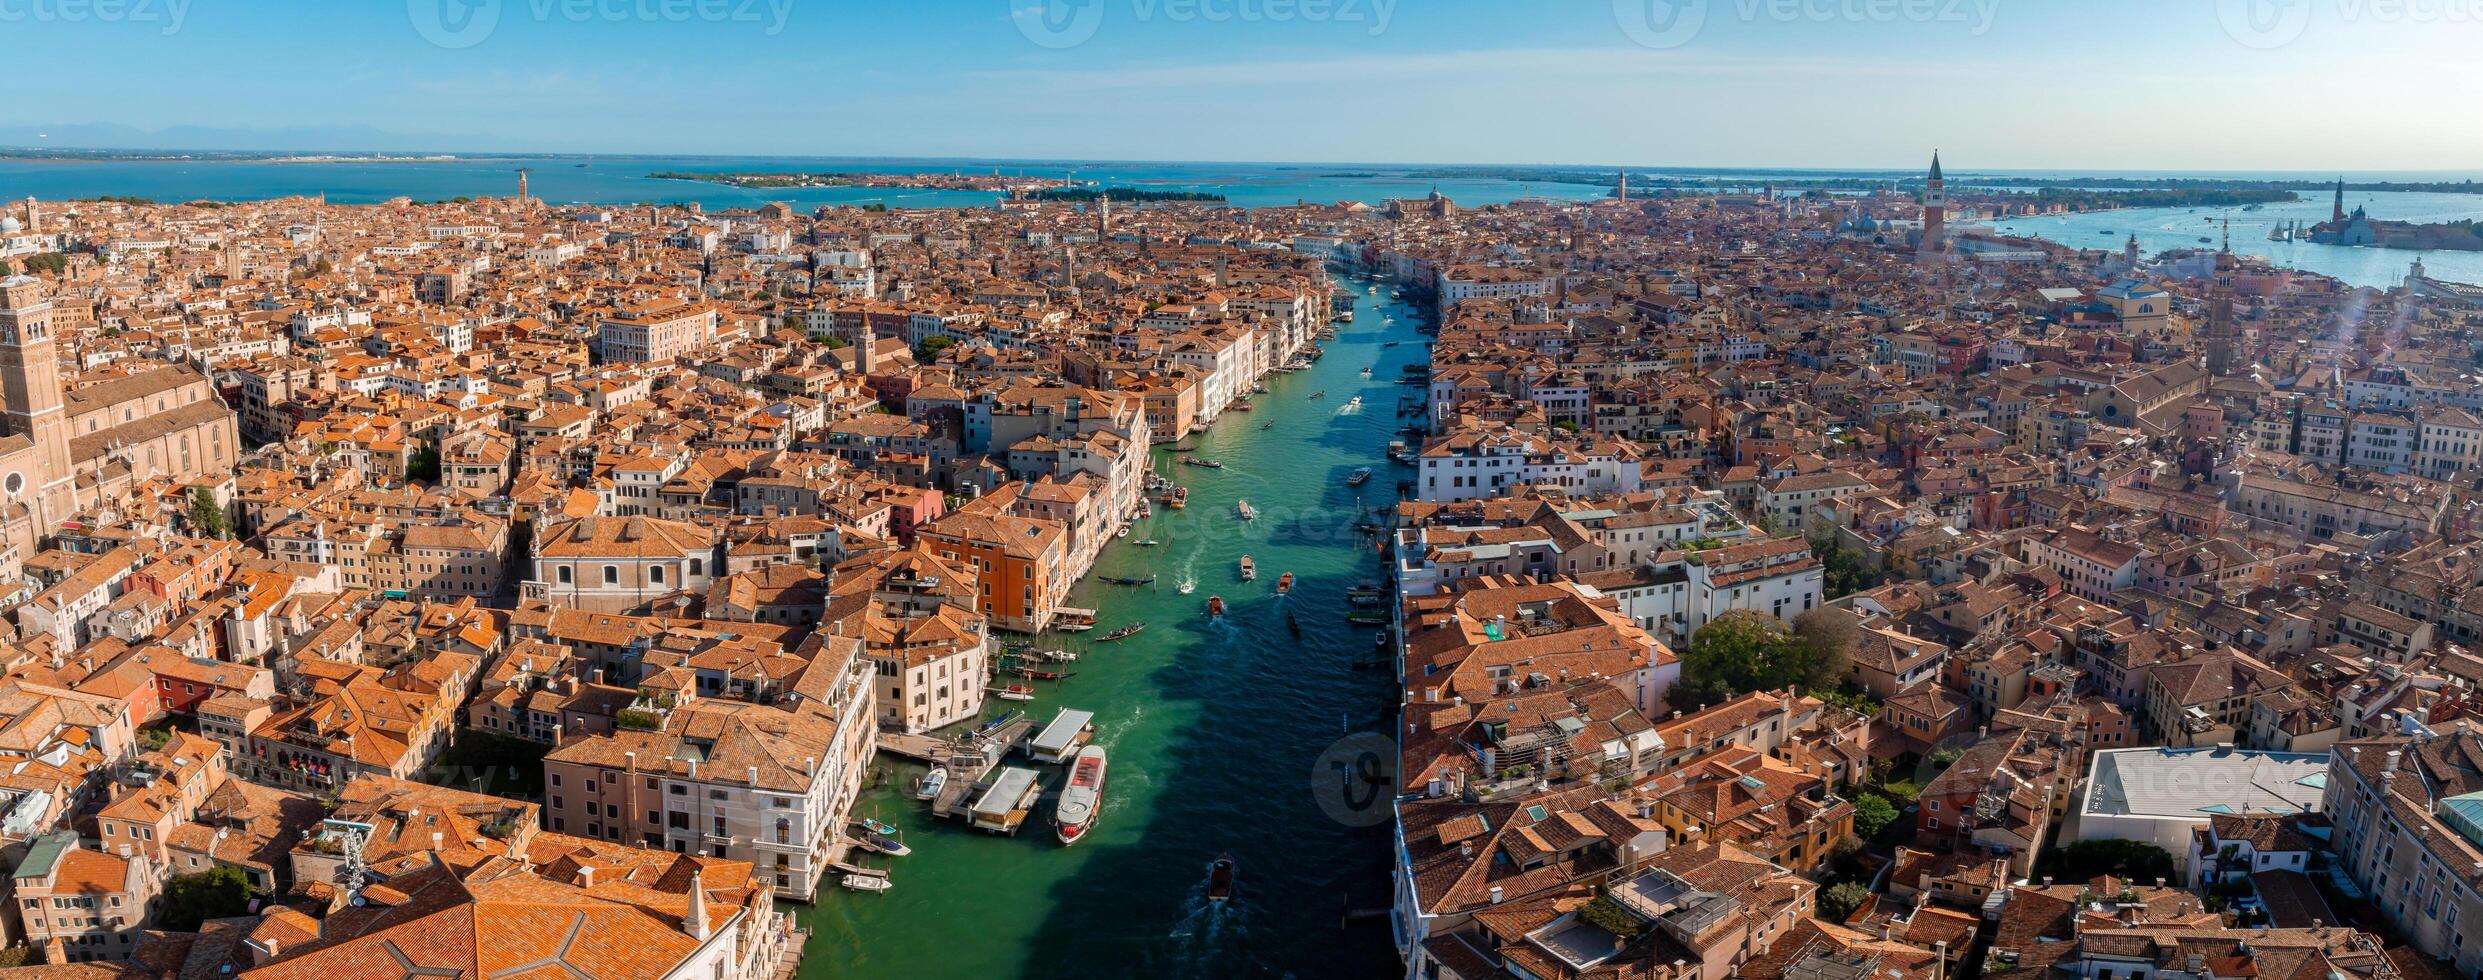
[
  {"x": 624, "y": 180},
  {"x": 2162, "y": 229}
]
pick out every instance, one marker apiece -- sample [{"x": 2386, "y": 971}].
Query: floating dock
[{"x": 1006, "y": 800}]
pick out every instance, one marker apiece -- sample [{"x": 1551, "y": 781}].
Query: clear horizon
[{"x": 1998, "y": 85}]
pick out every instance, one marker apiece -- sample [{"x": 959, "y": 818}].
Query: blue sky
[{"x": 2111, "y": 84}]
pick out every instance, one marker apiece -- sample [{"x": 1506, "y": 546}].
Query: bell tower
[
  {"x": 38, "y": 475},
  {"x": 1935, "y": 209}
]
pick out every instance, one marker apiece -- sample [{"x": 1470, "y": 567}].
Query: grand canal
[{"x": 1235, "y": 736}]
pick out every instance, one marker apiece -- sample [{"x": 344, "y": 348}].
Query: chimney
[
  {"x": 1496, "y": 894},
  {"x": 2390, "y": 767},
  {"x": 586, "y": 876}
]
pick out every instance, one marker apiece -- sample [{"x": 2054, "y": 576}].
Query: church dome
[{"x": 11, "y": 226}]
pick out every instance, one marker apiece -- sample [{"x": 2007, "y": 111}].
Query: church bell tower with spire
[{"x": 1935, "y": 211}]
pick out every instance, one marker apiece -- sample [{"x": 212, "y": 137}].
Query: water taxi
[
  {"x": 1220, "y": 879},
  {"x": 930, "y": 785},
  {"x": 1242, "y": 509},
  {"x": 1249, "y": 571},
  {"x": 1354, "y": 404},
  {"x": 1360, "y": 476},
  {"x": 1081, "y": 801},
  {"x": 885, "y": 842},
  {"x": 1015, "y": 692},
  {"x": 1284, "y": 583},
  {"x": 1215, "y": 607},
  {"x": 865, "y": 883}
]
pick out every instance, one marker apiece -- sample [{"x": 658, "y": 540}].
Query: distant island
[
  {"x": 989, "y": 183},
  {"x": 1130, "y": 194}
]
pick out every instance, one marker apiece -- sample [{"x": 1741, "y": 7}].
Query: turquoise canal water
[{"x": 1230, "y": 736}]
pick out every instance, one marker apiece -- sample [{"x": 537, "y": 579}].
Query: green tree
[
  {"x": 2131, "y": 859},
  {"x": 1872, "y": 814},
  {"x": 1841, "y": 899},
  {"x": 1828, "y": 635},
  {"x": 215, "y": 893},
  {"x": 930, "y": 348},
  {"x": 1741, "y": 651},
  {"x": 206, "y": 516},
  {"x": 424, "y": 467}
]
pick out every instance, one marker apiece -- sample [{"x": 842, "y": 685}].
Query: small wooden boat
[
  {"x": 1128, "y": 580},
  {"x": 1125, "y": 632},
  {"x": 1269, "y": 424},
  {"x": 1243, "y": 510},
  {"x": 878, "y": 827},
  {"x": 1220, "y": 879},
  {"x": 932, "y": 782},
  {"x": 1249, "y": 570},
  {"x": 1178, "y": 498},
  {"x": 1198, "y": 461},
  {"x": 1215, "y": 607},
  {"x": 865, "y": 883},
  {"x": 1360, "y": 476},
  {"x": 883, "y": 844},
  {"x": 1015, "y": 692},
  {"x": 1148, "y": 542},
  {"x": 1242, "y": 406},
  {"x": 1284, "y": 583}
]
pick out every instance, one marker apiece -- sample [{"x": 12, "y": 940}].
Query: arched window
[
  {"x": 612, "y": 574},
  {"x": 565, "y": 576}
]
